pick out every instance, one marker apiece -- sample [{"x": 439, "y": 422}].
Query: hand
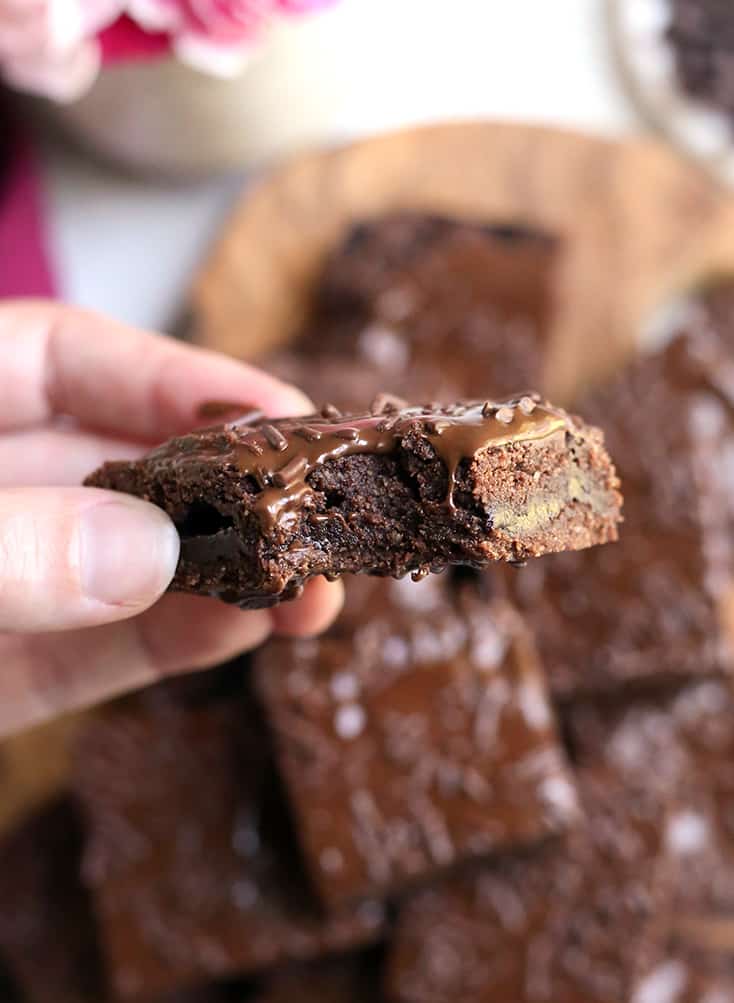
[{"x": 82, "y": 571}]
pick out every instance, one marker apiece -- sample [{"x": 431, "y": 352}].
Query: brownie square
[
  {"x": 570, "y": 922},
  {"x": 430, "y": 308},
  {"x": 689, "y": 737},
  {"x": 189, "y": 856},
  {"x": 414, "y": 735},
  {"x": 47, "y": 936},
  {"x": 655, "y": 607},
  {"x": 685, "y": 738}
]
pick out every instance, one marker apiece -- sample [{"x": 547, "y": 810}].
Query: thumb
[{"x": 79, "y": 557}]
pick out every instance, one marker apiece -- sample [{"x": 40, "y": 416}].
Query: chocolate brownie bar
[
  {"x": 263, "y": 505},
  {"x": 571, "y": 922},
  {"x": 654, "y": 608},
  {"x": 429, "y": 307},
  {"x": 415, "y": 738},
  {"x": 189, "y": 856},
  {"x": 47, "y": 936},
  {"x": 689, "y": 737}
]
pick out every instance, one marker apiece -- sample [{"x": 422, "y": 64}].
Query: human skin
[{"x": 83, "y": 571}]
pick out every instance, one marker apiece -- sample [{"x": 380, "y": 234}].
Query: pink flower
[
  {"x": 226, "y": 21},
  {"x": 300, "y": 6},
  {"x": 217, "y": 35},
  {"x": 49, "y": 47}
]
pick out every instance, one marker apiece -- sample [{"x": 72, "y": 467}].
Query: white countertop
[{"x": 128, "y": 247}]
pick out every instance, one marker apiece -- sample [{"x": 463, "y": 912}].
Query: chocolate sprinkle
[
  {"x": 329, "y": 411},
  {"x": 274, "y": 437},
  {"x": 294, "y": 469},
  {"x": 307, "y": 432}
]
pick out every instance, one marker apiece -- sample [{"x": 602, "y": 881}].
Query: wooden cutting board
[
  {"x": 638, "y": 223},
  {"x": 33, "y": 766}
]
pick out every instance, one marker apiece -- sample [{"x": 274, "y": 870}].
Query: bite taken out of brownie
[{"x": 261, "y": 506}]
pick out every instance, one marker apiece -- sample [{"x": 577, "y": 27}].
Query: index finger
[{"x": 59, "y": 360}]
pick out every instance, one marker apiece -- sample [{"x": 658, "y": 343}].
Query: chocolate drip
[{"x": 280, "y": 455}]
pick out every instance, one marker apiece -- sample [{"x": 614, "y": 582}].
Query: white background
[{"x": 129, "y": 247}]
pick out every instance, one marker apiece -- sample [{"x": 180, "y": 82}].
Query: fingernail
[{"x": 128, "y": 551}]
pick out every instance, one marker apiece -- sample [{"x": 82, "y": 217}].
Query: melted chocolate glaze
[
  {"x": 281, "y": 459},
  {"x": 280, "y": 455}
]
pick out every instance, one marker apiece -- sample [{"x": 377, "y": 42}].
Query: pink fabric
[
  {"x": 125, "y": 40},
  {"x": 25, "y": 268}
]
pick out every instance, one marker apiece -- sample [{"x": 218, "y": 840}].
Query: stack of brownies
[{"x": 513, "y": 786}]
